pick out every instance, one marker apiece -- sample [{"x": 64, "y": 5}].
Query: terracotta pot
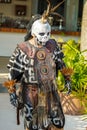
[{"x": 71, "y": 105}]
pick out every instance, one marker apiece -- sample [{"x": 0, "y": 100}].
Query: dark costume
[{"x": 36, "y": 70}]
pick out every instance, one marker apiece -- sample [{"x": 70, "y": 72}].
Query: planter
[{"x": 71, "y": 104}]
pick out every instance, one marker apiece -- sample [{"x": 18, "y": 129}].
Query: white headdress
[{"x": 41, "y": 28}]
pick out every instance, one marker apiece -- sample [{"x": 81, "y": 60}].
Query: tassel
[{"x": 18, "y": 121}]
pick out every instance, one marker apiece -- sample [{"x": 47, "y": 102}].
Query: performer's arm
[
  {"x": 60, "y": 65},
  {"x": 16, "y": 68}
]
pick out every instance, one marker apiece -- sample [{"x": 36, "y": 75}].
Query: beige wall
[
  {"x": 9, "y": 40},
  {"x": 9, "y": 9}
]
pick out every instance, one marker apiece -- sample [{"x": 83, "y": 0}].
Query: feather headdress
[{"x": 50, "y": 11}]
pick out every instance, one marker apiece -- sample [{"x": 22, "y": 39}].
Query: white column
[{"x": 83, "y": 45}]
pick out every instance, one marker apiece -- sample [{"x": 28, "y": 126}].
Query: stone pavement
[{"x": 8, "y": 112}]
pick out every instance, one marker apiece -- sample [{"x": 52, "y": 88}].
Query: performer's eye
[
  {"x": 48, "y": 33},
  {"x": 42, "y": 34}
]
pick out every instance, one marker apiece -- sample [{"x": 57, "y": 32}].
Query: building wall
[
  {"x": 70, "y": 11},
  {"x": 9, "y": 40},
  {"x": 9, "y": 9}
]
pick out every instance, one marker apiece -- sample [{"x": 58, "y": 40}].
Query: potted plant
[{"x": 76, "y": 102}]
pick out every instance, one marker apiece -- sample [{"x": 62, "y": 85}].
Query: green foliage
[{"x": 75, "y": 59}]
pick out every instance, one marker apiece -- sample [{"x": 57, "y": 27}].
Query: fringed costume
[
  {"x": 35, "y": 64},
  {"x": 35, "y": 68}
]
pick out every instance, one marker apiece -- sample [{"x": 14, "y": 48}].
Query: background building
[{"x": 21, "y": 10}]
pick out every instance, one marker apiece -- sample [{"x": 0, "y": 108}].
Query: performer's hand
[
  {"x": 68, "y": 86},
  {"x": 67, "y": 72},
  {"x": 13, "y": 99}
]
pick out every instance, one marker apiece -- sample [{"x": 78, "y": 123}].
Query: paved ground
[
  {"x": 8, "y": 112},
  {"x": 8, "y": 117}
]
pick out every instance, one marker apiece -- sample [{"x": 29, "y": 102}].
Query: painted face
[{"x": 41, "y": 31}]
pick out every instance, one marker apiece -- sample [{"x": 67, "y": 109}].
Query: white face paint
[{"x": 41, "y": 31}]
